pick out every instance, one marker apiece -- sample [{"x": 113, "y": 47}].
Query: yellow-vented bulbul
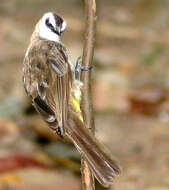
[{"x": 49, "y": 80}]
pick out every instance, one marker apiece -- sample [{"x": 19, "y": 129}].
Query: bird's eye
[{"x": 48, "y": 23}]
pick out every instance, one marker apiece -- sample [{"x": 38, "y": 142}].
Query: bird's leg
[{"x": 79, "y": 68}]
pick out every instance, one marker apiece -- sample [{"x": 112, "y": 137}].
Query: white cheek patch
[
  {"x": 47, "y": 34},
  {"x": 52, "y": 20},
  {"x": 48, "y": 15}
]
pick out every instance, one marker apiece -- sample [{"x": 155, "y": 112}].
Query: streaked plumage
[{"x": 49, "y": 80}]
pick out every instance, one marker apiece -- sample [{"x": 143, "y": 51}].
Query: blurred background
[{"x": 130, "y": 94}]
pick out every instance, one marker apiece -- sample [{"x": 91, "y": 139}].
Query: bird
[{"x": 51, "y": 81}]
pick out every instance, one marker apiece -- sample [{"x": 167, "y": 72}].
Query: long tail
[{"x": 102, "y": 165}]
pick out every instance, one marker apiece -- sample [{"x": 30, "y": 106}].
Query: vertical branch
[{"x": 86, "y": 104}]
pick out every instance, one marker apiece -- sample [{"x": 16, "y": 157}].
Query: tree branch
[{"x": 86, "y": 104}]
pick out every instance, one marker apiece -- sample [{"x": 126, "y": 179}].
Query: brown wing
[
  {"x": 62, "y": 79},
  {"x": 47, "y": 79}
]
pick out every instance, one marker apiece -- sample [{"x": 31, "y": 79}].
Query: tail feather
[{"x": 102, "y": 165}]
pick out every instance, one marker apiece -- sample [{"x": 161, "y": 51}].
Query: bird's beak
[{"x": 57, "y": 31}]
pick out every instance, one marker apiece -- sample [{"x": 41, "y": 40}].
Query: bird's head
[{"x": 50, "y": 27}]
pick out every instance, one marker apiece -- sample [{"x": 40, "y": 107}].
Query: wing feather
[
  {"x": 61, "y": 68},
  {"x": 48, "y": 80}
]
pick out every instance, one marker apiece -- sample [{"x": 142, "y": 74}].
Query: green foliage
[{"x": 149, "y": 58}]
